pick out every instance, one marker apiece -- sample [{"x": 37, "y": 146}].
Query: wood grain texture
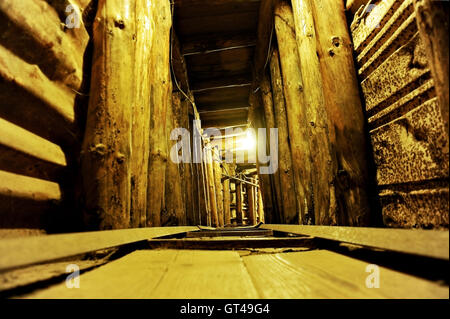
[
  {"x": 328, "y": 275},
  {"x": 428, "y": 243},
  {"x": 154, "y": 274},
  {"x": 17, "y": 252}
]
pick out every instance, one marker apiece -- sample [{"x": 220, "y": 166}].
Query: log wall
[
  {"x": 44, "y": 75},
  {"x": 408, "y": 131}
]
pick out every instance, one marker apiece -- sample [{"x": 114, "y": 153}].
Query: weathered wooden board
[
  {"x": 430, "y": 243},
  {"x": 18, "y": 252},
  {"x": 327, "y": 275},
  {"x": 32, "y": 29},
  {"x": 155, "y": 274},
  {"x": 25, "y": 153}
]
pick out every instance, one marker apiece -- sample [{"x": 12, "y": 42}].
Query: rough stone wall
[
  {"x": 41, "y": 89},
  {"x": 409, "y": 141}
]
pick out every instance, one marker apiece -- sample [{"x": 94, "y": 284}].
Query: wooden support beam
[
  {"x": 323, "y": 160},
  {"x": 428, "y": 243},
  {"x": 251, "y": 204},
  {"x": 106, "y": 156},
  {"x": 226, "y": 201},
  {"x": 267, "y": 101},
  {"x": 347, "y": 136},
  {"x": 295, "y": 109},
  {"x": 174, "y": 203},
  {"x": 288, "y": 198},
  {"x": 19, "y": 252},
  {"x": 239, "y": 216},
  {"x": 205, "y": 45},
  {"x": 212, "y": 188},
  {"x": 140, "y": 129},
  {"x": 433, "y": 22},
  {"x": 264, "y": 33},
  {"x": 159, "y": 101},
  {"x": 218, "y": 188},
  {"x": 221, "y": 83},
  {"x": 260, "y": 207}
]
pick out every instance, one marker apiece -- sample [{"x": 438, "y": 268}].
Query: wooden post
[
  {"x": 323, "y": 159},
  {"x": 211, "y": 186},
  {"x": 203, "y": 194},
  {"x": 288, "y": 194},
  {"x": 266, "y": 92},
  {"x": 218, "y": 187},
  {"x": 295, "y": 109},
  {"x": 260, "y": 207},
  {"x": 140, "y": 129},
  {"x": 174, "y": 212},
  {"x": 106, "y": 152},
  {"x": 159, "y": 99},
  {"x": 226, "y": 201},
  {"x": 432, "y": 21},
  {"x": 344, "y": 109},
  {"x": 239, "y": 203},
  {"x": 251, "y": 204}
]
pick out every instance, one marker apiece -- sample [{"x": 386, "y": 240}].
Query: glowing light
[{"x": 249, "y": 141}]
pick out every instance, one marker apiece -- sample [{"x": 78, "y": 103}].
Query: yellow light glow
[{"x": 249, "y": 141}]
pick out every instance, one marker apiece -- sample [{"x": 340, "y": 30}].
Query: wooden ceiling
[{"x": 217, "y": 40}]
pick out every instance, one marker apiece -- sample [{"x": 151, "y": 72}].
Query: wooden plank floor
[{"x": 230, "y": 274}]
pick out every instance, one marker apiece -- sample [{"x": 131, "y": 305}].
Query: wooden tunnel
[{"x": 224, "y": 114}]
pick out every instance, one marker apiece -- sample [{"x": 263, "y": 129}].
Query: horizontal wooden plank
[
  {"x": 220, "y": 243},
  {"x": 24, "y": 187},
  {"x": 222, "y": 83},
  {"x": 400, "y": 74},
  {"x": 234, "y": 232},
  {"x": 428, "y": 243},
  {"x": 31, "y": 250},
  {"x": 214, "y": 43},
  {"x": 377, "y": 55},
  {"x": 198, "y": 8},
  {"x": 324, "y": 274},
  {"x": 412, "y": 148},
  {"x": 31, "y": 100},
  {"x": 368, "y": 21},
  {"x": 393, "y": 35},
  {"x": 24, "y": 152},
  {"x": 161, "y": 274},
  {"x": 32, "y": 30}
]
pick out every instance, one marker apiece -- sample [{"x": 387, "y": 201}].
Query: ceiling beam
[
  {"x": 222, "y": 83},
  {"x": 216, "y": 43},
  {"x": 225, "y": 122}
]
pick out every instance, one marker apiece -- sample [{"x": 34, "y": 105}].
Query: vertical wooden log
[
  {"x": 189, "y": 185},
  {"x": 218, "y": 188},
  {"x": 202, "y": 194},
  {"x": 288, "y": 197},
  {"x": 226, "y": 202},
  {"x": 174, "y": 213},
  {"x": 260, "y": 207},
  {"x": 239, "y": 216},
  {"x": 251, "y": 205},
  {"x": 212, "y": 187},
  {"x": 106, "y": 152},
  {"x": 323, "y": 160},
  {"x": 141, "y": 115},
  {"x": 432, "y": 21},
  {"x": 257, "y": 121},
  {"x": 266, "y": 92},
  {"x": 345, "y": 114},
  {"x": 295, "y": 109},
  {"x": 160, "y": 88}
]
